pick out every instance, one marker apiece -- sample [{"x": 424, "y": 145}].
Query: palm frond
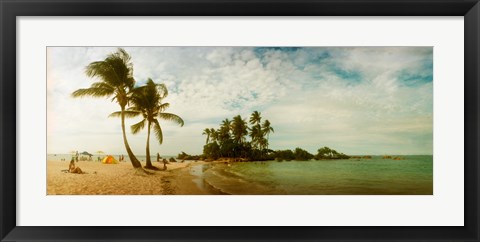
[
  {"x": 163, "y": 90},
  {"x": 104, "y": 71},
  {"x": 163, "y": 106},
  {"x": 116, "y": 70},
  {"x": 93, "y": 92},
  {"x": 138, "y": 90},
  {"x": 126, "y": 58},
  {"x": 171, "y": 117},
  {"x": 102, "y": 85},
  {"x": 158, "y": 131},
  {"x": 134, "y": 109},
  {"x": 255, "y": 117},
  {"x": 206, "y": 131},
  {"x": 128, "y": 114},
  {"x": 138, "y": 126}
]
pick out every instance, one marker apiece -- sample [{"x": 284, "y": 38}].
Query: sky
[{"x": 356, "y": 100}]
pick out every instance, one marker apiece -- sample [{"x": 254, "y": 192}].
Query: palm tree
[
  {"x": 255, "y": 118},
  {"x": 213, "y": 134},
  {"x": 263, "y": 143},
  {"x": 147, "y": 101},
  {"x": 116, "y": 79},
  {"x": 256, "y": 135},
  {"x": 224, "y": 132},
  {"x": 256, "y": 130},
  {"x": 239, "y": 129},
  {"x": 207, "y": 133},
  {"x": 266, "y": 129}
]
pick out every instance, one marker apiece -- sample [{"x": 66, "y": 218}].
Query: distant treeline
[
  {"x": 324, "y": 153},
  {"x": 185, "y": 156},
  {"x": 299, "y": 154}
]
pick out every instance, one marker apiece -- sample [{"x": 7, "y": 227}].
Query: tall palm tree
[
  {"x": 207, "y": 132},
  {"x": 263, "y": 143},
  {"x": 147, "y": 101},
  {"x": 266, "y": 129},
  {"x": 224, "y": 132},
  {"x": 213, "y": 134},
  {"x": 239, "y": 129},
  {"x": 255, "y": 118},
  {"x": 116, "y": 79},
  {"x": 256, "y": 130},
  {"x": 256, "y": 135}
]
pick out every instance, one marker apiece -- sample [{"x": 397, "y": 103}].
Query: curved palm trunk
[
  {"x": 133, "y": 159},
  {"x": 149, "y": 161}
]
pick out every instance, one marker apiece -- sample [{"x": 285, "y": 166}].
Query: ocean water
[{"x": 376, "y": 176}]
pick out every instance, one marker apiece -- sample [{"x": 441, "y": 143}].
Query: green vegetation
[
  {"x": 230, "y": 139},
  {"x": 301, "y": 154},
  {"x": 281, "y": 155},
  {"x": 288, "y": 155},
  {"x": 185, "y": 156},
  {"x": 326, "y": 153}
]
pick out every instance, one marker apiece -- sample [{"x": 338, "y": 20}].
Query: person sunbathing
[{"x": 73, "y": 169}]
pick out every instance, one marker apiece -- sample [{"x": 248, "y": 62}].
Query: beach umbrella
[
  {"x": 86, "y": 153},
  {"x": 100, "y": 153}
]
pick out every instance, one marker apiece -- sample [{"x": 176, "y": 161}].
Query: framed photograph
[{"x": 239, "y": 121}]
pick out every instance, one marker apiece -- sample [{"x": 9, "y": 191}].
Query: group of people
[{"x": 75, "y": 169}]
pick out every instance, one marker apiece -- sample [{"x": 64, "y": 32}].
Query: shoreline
[
  {"x": 122, "y": 179},
  {"x": 194, "y": 180}
]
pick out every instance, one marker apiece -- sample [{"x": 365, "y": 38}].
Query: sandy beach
[{"x": 122, "y": 179}]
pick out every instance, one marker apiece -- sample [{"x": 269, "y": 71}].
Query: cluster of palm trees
[
  {"x": 115, "y": 75},
  {"x": 258, "y": 131},
  {"x": 230, "y": 139}
]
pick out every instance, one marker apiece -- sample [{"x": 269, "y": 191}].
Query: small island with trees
[{"x": 235, "y": 140}]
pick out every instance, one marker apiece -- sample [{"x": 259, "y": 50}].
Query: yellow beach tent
[{"x": 109, "y": 160}]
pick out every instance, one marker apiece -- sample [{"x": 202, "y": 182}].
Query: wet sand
[{"x": 123, "y": 179}]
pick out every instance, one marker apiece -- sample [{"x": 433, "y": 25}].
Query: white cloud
[{"x": 352, "y": 99}]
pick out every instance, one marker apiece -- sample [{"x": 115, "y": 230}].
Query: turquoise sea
[{"x": 377, "y": 176}]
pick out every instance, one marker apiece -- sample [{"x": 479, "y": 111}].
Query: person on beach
[
  {"x": 73, "y": 169},
  {"x": 158, "y": 157}
]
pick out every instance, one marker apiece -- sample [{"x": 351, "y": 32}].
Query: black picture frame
[{"x": 10, "y": 9}]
